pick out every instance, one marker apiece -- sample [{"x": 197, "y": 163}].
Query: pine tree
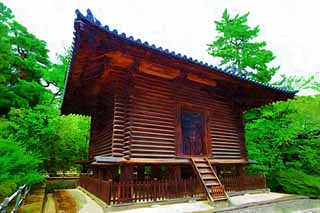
[
  {"x": 24, "y": 59},
  {"x": 236, "y": 45}
]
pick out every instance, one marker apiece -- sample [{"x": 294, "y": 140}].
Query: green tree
[
  {"x": 55, "y": 77},
  {"x": 73, "y": 141},
  {"x": 34, "y": 138},
  {"x": 236, "y": 46},
  {"x": 298, "y": 82},
  {"x": 17, "y": 167},
  {"x": 284, "y": 137},
  {"x": 36, "y": 130},
  {"x": 24, "y": 59},
  {"x": 57, "y": 140},
  {"x": 295, "y": 82}
]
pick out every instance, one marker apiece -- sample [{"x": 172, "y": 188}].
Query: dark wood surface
[
  {"x": 114, "y": 193},
  {"x": 146, "y": 119},
  {"x": 96, "y": 49},
  {"x": 208, "y": 178},
  {"x": 134, "y": 96}
]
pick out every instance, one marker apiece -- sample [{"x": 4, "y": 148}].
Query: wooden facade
[{"x": 149, "y": 106}]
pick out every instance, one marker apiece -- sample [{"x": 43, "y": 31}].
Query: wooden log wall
[
  {"x": 153, "y": 123},
  {"x": 223, "y": 121},
  {"x": 102, "y": 127},
  {"x": 122, "y": 107},
  {"x": 152, "y": 118},
  {"x": 144, "y": 118},
  {"x": 225, "y": 132}
]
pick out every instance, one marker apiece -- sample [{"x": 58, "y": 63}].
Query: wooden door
[{"x": 193, "y": 133}]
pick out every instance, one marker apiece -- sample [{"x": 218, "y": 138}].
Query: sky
[{"x": 290, "y": 27}]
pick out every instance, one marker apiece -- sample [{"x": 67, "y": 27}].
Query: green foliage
[
  {"x": 236, "y": 46},
  {"x": 56, "y": 75},
  {"x": 285, "y": 135},
  {"x": 61, "y": 184},
  {"x": 17, "y": 167},
  {"x": 24, "y": 59},
  {"x": 73, "y": 140},
  {"x": 298, "y": 83},
  {"x": 57, "y": 140},
  {"x": 297, "y": 182},
  {"x": 35, "y": 130},
  {"x": 31, "y": 129}
]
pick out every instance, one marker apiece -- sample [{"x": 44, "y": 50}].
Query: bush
[
  {"x": 296, "y": 182},
  {"x": 18, "y": 167},
  {"x": 61, "y": 184}
]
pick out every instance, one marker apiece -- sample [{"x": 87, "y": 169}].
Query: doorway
[{"x": 193, "y": 133}]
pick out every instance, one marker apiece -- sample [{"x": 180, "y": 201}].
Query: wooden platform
[{"x": 107, "y": 160}]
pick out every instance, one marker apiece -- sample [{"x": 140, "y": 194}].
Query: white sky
[{"x": 291, "y": 28}]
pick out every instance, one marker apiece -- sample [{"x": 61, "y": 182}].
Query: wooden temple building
[{"x": 162, "y": 125}]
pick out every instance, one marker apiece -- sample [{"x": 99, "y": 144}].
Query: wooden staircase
[{"x": 209, "y": 180}]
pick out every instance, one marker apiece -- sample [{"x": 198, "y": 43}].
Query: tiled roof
[{"x": 91, "y": 19}]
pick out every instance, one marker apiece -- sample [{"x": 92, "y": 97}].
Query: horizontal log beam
[
  {"x": 181, "y": 160},
  {"x": 119, "y": 59},
  {"x": 201, "y": 80},
  {"x": 158, "y": 70}
]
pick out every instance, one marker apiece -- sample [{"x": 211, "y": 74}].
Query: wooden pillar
[
  {"x": 155, "y": 172},
  {"x": 95, "y": 172},
  {"x": 175, "y": 176},
  {"x": 140, "y": 171},
  {"x": 107, "y": 173},
  {"x": 115, "y": 173},
  {"x": 125, "y": 190},
  {"x": 240, "y": 170},
  {"x": 175, "y": 172},
  {"x": 126, "y": 173},
  {"x": 100, "y": 172}
]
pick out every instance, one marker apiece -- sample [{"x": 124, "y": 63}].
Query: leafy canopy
[
  {"x": 299, "y": 83},
  {"x": 34, "y": 138},
  {"x": 236, "y": 46},
  {"x": 57, "y": 140},
  {"x": 23, "y": 62},
  {"x": 284, "y": 137},
  {"x": 17, "y": 167}
]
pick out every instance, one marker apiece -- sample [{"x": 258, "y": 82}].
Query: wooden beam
[
  {"x": 201, "y": 80},
  {"x": 180, "y": 160},
  {"x": 158, "y": 70},
  {"x": 227, "y": 161},
  {"x": 119, "y": 59}
]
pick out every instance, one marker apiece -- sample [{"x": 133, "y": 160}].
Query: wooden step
[
  {"x": 202, "y": 171},
  {"x": 199, "y": 160},
  {"x": 212, "y": 183},
  {"x": 201, "y": 165},
  {"x": 208, "y": 179},
  {"x": 220, "y": 198}
]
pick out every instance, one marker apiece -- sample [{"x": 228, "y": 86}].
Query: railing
[
  {"x": 19, "y": 197},
  {"x": 243, "y": 182},
  {"x": 218, "y": 191},
  {"x": 141, "y": 191}
]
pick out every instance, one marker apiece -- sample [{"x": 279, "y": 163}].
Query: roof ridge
[{"x": 93, "y": 20}]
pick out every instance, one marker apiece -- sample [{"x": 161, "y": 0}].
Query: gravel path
[
  {"x": 84, "y": 203},
  {"x": 70, "y": 201},
  {"x": 173, "y": 208},
  {"x": 250, "y": 198},
  {"x": 49, "y": 206}
]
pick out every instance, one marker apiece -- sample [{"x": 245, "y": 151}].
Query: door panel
[{"x": 192, "y": 124}]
